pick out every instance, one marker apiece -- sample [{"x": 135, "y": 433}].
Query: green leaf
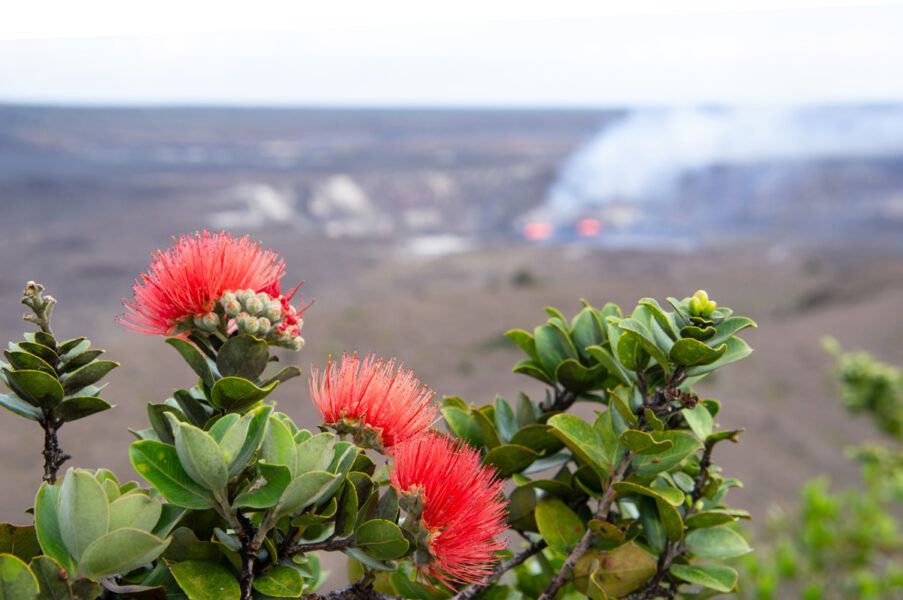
[
  {"x": 79, "y": 407},
  {"x": 70, "y": 345},
  {"x": 346, "y": 511},
  {"x": 671, "y": 520},
  {"x": 237, "y": 394},
  {"x": 646, "y": 341},
  {"x": 159, "y": 464},
  {"x": 710, "y": 518},
  {"x": 381, "y": 539},
  {"x": 17, "y": 582},
  {"x": 29, "y": 362},
  {"x": 87, "y": 375},
  {"x": 660, "y": 316},
  {"x": 314, "y": 454},
  {"x": 578, "y": 379},
  {"x": 41, "y": 351},
  {"x": 617, "y": 572},
  {"x": 690, "y": 352},
  {"x": 84, "y": 512},
  {"x": 539, "y": 438},
  {"x": 194, "y": 357},
  {"x": 169, "y": 518},
  {"x": 35, "y": 387},
  {"x": 205, "y": 580},
  {"x": 631, "y": 351},
  {"x": 462, "y": 425},
  {"x": 47, "y": 528},
  {"x": 19, "y": 541},
  {"x": 119, "y": 552},
  {"x": 256, "y": 429},
  {"x": 243, "y": 356},
  {"x": 277, "y": 478},
  {"x": 553, "y": 345},
  {"x": 191, "y": 407},
  {"x": 685, "y": 444},
  {"x": 699, "y": 420},
  {"x": 559, "y": 526},
  {"x": 78, "y": 361},
  {"x": 22, "y": 408},
  {"x": 672, "y": 496},
  {"x": 555, "y": 488},
  {"x": 587, "y": 331},
  {"x": 524, "y": 340},
  {"x": 306, "y": 489},
  {"x": 698, "y": 333},
  {"x": 136, "y": 511},
  {"x": 505, "y": 420},
  {"x": 582, "y": 440},
  {"x": 644, "y": 443},
  {"x": 510, "y": 458},
  {"x": 716, "y": 577},
  {"x": 280, "y": 582},
  {"x": 730, "y": 326},
  {"x": 619, "y": 400},
  {"x": 52, "y": 579},
  {"x": 488, "y": 432},
  {"x": 716, "y": 542},
  {"x": 283, "y": 375},
  {"x": 533, "y": 369},
  {"x": 736, "y": 349},
  {"x": 201, "y": 457}
]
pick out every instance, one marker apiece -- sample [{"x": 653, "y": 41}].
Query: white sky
[{"x": 486, "y": 53}]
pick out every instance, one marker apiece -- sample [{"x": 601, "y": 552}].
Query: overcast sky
[{"x": 466, "y": 53}]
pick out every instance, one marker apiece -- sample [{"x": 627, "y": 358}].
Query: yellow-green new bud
[
  {"x": 702, "y": 295},
  {"x": 709, "y": 308},
  {"x": 695, "y": 306}
]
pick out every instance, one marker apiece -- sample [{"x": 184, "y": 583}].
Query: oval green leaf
[
  {"x": 119, "y": 552},
  {"x": 205, "y": 580}
]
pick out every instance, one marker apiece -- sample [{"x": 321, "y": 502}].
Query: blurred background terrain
[{"x": 434, "y": 194}]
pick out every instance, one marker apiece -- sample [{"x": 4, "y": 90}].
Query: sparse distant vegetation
[{"x": 848, "y": 543}]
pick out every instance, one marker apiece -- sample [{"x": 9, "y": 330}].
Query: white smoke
[{"x": 643, "y": 156}]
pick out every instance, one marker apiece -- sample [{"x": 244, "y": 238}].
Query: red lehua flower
[
  {"x": 463, "y": 507},
  {"x": 187, "y": 279},
  {"x": 371, "y": 395}
]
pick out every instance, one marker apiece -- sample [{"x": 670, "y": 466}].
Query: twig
[
  {"x": 54, "y": 457},
  {"x": 356, "y": 591},
  {"x": 472, "y": 590},
  {"x": 584, "y": 543}
]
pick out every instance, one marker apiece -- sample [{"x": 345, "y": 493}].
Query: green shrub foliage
[{"x": 627, "y": 504}]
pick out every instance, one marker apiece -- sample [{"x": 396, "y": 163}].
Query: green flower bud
[
  {"x": 245, "y": 295},
  {"x": 702, "y": 295},
  {"x": 227, "y": 297},
  {"x": 241, "y": 321},
  {"x": 273, "y": 311},
  {"x": 709, "y": 308},
  {"x": 254, "y": 305},
  {"x": 207, "y": 322},
  {"x": 263, "y": 326},
  {"x": 251, "y": 324},
  {"x": 232, "y": 307},
  {"x": 295, "y": 343}
]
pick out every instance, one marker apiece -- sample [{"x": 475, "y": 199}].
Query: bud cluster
[
  {"x": 701, "y": 306},
  {"x": 272, "y": 319}
]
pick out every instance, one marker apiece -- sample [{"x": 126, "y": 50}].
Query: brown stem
[
  {"x": 250, "y": 547},
  {"x": 583, "y": 545},
  {"x": 54, "y": 457},
  {"x": 472, "y": 590},
  {"x": 356, "y": 591}
]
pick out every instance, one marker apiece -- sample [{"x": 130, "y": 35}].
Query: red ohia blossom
[
  {"x": 188, "y": 278},
  {"x": 462, "y": 503},
  {"x": 368, "y": 398}
]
